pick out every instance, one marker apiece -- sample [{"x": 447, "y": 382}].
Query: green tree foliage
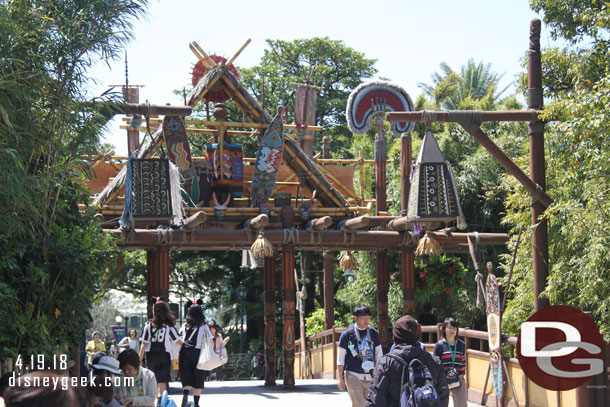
[
  {"x": 53, "y": 253},
  {"x": 474, "y": 81},
  {"x": 329, "y": 64},
  {"x": 585, "y": 25},
  {"x": 576, "y": 77},
  {"x": 578, "y": 163}
]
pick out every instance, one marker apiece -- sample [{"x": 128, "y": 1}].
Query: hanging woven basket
[
  {"x": 261, "y": 247},
  {"x": 428, "y": 246},
  {"x": 348, "y": 262}
]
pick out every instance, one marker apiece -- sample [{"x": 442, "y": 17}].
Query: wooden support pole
[
  {"x": 407, "y": 258},
  {"x": 535, "y": 189},
  {"x": 288, "y": 313},
  {"x": 132, "y": 95},
  {"x": 329, "y": 290},
  {"x": 408, "y": 281},
  {"x": 380, "y": 167},
  {"x": 157, "y": 273},
  {"x": 331, "y": 238},
  {"x": 258, "y": 222},
  {"x": 406, "y": 151},
  {"x": 361, "y": 173},
  {"x": 269, "y": 307},
  {"x": 383, "y": 286},
  {"x": 540, "y": 243}
]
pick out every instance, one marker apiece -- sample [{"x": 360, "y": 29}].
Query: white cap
[{"x": 108, "y": 363}]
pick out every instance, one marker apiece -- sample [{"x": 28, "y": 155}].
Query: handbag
[
  {"x": 208, "y": 359},
  {"x": 223, "y": 354}
]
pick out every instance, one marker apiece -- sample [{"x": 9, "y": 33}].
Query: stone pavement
[{"x": 252, "y": 393}]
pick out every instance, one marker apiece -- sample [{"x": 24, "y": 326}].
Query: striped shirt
[{"x": 442, "y": 350}]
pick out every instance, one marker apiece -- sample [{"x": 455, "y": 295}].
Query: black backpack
[{"x": 416, "y": 388}]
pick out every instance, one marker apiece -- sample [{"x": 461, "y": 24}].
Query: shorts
[
  {"x": 189, "y": 374},
  {"x": 160, "y": 363}
]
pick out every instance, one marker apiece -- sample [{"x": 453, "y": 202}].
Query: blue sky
[{"x": 408, "y": 38}]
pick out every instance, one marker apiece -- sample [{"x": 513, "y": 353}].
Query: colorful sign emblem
[
  {"x": 268, "y": 162},
  {"x": 494, "y": 331},
  {"x": 377, "y": 96},
  {"x": 179, "y": 152}
]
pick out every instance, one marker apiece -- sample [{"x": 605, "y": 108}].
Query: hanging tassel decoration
[
  {"x": 261, "y": 247},
  {"x": 178, "y": 212},
  {"x": 348, "y": 262},
  {"x": 126, "y": 219},
  {"x": 428, "y": 246}
]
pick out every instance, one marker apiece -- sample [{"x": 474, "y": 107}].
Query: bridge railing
[{"x": 320, "y": 361}]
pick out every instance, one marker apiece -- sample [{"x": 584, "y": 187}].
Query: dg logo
[{"x": 560, "y": 348}]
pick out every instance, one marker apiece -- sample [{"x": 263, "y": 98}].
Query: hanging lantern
[
  {"x": 348, "y": 262},
  {"x": 433, "y": 196}
]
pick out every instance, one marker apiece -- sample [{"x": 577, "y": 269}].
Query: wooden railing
[{"x": 320, "y": 361}]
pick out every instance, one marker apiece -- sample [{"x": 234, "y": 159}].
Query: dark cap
[{"x": 406, "y": 330}]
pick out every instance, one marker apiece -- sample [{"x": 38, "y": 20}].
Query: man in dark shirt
[
  {"x": 359, "y": 351},
  {"x": 385, "y": 387}
]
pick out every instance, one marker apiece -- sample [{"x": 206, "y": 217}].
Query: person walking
[
  {"x": 95, "y": 345},
  {"x": 359, "y": 350},
  {"x": 193, "y": 333},
  {"x": 452, "y": 353},
  {"x": 130, "y": 341},
  {"x": 386, "y": 385},
  {"x": 157, "y": 340},
  {"x": 219, "y": 343}
]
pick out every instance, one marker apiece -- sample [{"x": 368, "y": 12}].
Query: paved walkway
[{"x": 308, "y": 393}]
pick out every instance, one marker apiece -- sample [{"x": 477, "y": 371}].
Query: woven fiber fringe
[
  {"x": 176, "y": 196},
  {"x": 261, "y": 247},
  {"x": 126, "y": 219},
  {"x": 348, "y": 262},
  {"x": 428, "y": 246}
]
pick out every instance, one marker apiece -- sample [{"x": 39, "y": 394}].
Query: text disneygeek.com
[{"x": 65, "y": 381}]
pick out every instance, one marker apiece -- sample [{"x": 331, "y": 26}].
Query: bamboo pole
[
  {"x": 247, "y": 112},
  {"x": 239, "y": 51},
  {"x": 207, "y": 58},
  {"x": 213, "y": 123}
]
